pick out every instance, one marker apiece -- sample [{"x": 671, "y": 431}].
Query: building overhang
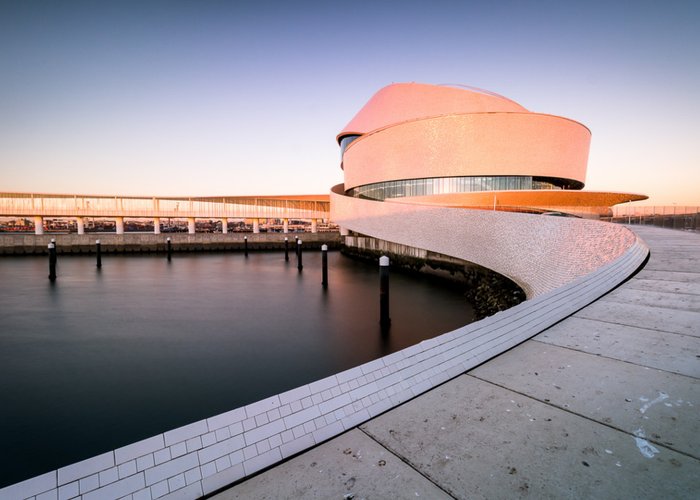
[{"x": 584, "y": 203}]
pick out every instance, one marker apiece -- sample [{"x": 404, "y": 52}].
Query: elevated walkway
[
  {"x": 603, "y": 404},
  {"x": 83, "y": 208}
]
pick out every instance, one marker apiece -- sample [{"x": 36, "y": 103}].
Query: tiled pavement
[{"x": 604, "y": 404}]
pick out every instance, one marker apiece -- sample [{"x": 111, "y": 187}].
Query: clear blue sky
[{"x": 214, "y": 97}]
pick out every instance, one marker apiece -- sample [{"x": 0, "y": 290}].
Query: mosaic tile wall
[{"x": 538, "y": 252}]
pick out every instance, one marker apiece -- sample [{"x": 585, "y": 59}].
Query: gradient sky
[{"x": 234, "y": 98}]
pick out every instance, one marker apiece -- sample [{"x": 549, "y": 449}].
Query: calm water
[{"x": 102, "y": 359}]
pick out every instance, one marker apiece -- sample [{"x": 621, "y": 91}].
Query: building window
[{"x": 444, "y": 185}]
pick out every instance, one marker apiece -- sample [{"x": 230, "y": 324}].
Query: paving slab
[
  {"x": 678, "y": 277},
  {"x": 674, "y": 251},
  {"x": 350, "y": 466},
  {"x": 666, "y": 300},
  {"x": 662, "y": 350},
  {"x": 688, "y": 286},
  {"x": 478, "y": 440},
  {"x": 665, "y": 406},
  {"x": 654, "y": 318},
  {"x": 671, "y": 262}
]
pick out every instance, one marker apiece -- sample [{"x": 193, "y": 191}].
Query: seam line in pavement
[
  {"x": 590, "y": 419},
  {"x": 659, "y": 270},
  {"x": 669, "y": 271},
  {"x": 630, "y": 286},
  {"x": 616, "y": 359},
  {"x": 404, "y": 460},
  {"x": 632, "y": 326},
  {"x": 612, "y": 299}
]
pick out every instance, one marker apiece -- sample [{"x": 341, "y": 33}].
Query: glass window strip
[{"x": 444, "y": 185}]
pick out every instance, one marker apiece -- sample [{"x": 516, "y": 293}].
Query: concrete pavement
[{"x": 604, "y": 404}]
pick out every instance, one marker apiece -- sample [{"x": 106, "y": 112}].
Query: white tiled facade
[
  {"x": 590, "y": 259},
  {"x": 538, "y": 252}
]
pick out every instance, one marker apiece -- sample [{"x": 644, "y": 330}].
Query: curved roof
[
  {"x": 401, "y": 102},
  {"x": 419, "y": 131}
]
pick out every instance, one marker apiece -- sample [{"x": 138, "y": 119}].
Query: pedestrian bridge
[{"x": 78, "y": 206}]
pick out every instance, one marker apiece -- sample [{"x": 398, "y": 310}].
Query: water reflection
[{"x": 105, "y": 358}]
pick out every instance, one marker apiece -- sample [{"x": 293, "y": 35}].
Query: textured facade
[
  {"x": 537, "y": 252},
  {"x": 467, "y": 174}
]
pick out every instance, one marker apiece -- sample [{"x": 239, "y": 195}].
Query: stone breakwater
[{"x": 31, "y": 244}]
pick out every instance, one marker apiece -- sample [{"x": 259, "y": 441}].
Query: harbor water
[{"x": 103, "y": 358}]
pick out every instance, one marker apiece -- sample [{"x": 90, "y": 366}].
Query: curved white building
[
  {"x": 449, "y": 146},
  {"x": 459, "y": 172}
]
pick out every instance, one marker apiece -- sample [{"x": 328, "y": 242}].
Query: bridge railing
[{"x": 685, "y": 218}]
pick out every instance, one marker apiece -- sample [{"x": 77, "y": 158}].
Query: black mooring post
[
  {"x": 98, "y": 248},
  {"x": 296, "y": 246},
  {"x": 52, "y": 261},
  {"x": 53, "y": 240},
  {"x": 286, "y": 249},
  {"x": 245, "y": 245},
  {"x": 324, "y": 265},
  {"x": 300, "y": 266},
  {"x": 384, "y": 319},
  {"x": 170, "y": 249}
]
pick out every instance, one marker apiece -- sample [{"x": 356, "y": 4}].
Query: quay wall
[
  {"x": 410, "y": 258},
  {"x": 29, "y": 244}
]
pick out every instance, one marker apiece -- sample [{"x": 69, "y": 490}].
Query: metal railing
[{"x": 686, "y": 218}]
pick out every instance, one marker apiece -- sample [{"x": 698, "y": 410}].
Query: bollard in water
[
  {"x": 170, "y": 249},
  {"x": 324, "y": 265},
  {"x": 53, "y": 240},
  {"x": 286, "y": 249},
  {"x": 300, "y": 266},
  {"x": 245, "y": 245},
  {"x": 296, "y": 246},
  {"x": 384, "y": 319},
  {"x": 52, "y": 261},
  {"x": 98, "y": 247}
]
